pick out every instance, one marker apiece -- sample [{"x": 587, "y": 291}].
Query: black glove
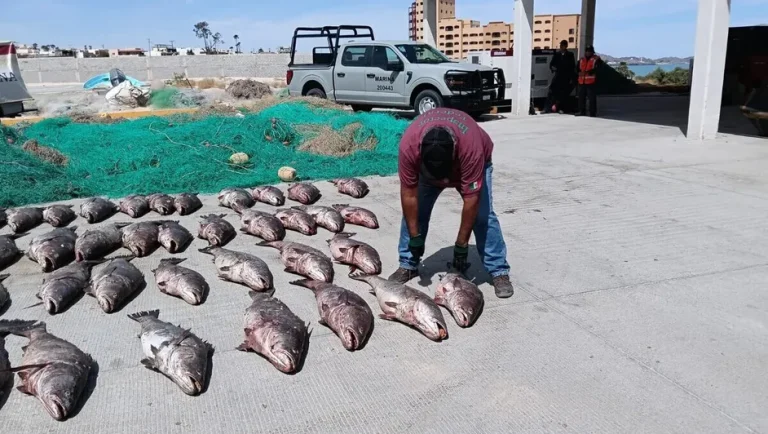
[
  {"x": 416, "y": 247},
  {"x": 460, "y": 256}
]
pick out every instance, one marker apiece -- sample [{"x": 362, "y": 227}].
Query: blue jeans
[{"x": 490, "y": 242}]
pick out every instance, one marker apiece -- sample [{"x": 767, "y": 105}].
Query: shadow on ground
[
  {"x": 93, "y": 379},
  {"x": 440, "y": 263}
]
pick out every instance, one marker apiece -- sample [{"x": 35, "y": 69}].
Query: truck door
[
  {"x": 349, "y": 74},
  {"x": 385, "y": 78}
]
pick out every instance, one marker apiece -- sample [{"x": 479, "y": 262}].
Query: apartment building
[{"x": 446, "y": 9}]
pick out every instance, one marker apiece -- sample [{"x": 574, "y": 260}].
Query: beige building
[{"x": 446, "y": 9}]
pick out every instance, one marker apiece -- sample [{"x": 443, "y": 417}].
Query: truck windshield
[{"x": 422, "y": 53}]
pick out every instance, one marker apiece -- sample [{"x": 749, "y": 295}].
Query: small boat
[{"x": 105, "y": 81}]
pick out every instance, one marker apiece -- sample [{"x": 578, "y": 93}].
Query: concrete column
[
  {"x": 430, "y": 22},
  {"x": 586, "y": 25},
  {"x": 708, "y": 68},
  {"x": 521, "y": 77}
]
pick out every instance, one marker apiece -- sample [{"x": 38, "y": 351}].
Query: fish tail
[
  {"x": 261, "y": 295},
  {"x": 275, "y": 244},
  {"x": 4, "y": 276},
  {"x": 172, "y": 261},
  {"x": 128, "y": 258},
  {"x": 26, "y": 367},
  {"x": 305, "y": 283},
  {"x": 19, "y": 327},
  {"x": 17, "y": 236},
  {"x": 139, "y": 315},
  {"x": 345, "y": 235},
  {"x": 359, "y": 275},
  {"x": 207, "y": 250}
]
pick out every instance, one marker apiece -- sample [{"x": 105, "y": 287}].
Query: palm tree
[
  {"x": 34, "y": 46},
  {"x": 237, "y": 44}
]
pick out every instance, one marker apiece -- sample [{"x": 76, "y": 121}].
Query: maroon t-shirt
[{"x": 473, "y": 150}]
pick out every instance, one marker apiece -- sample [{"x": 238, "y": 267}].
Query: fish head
[
  {"x": 57, "y": 389},
  {"x": 356, "y": 330},
  {"x": 164, "y": 205},
  {"x": 430, "y": 320},
  {"x": 192, "y": 294},
  {"x": 187, "y": 368},
  {"x": 46, "y": 258},
  {"x": 271, "y": 230},
  {"x": 368, "y": 262},
  {"x": 107, "y": 301},
  {"x": 285, "y": 351},
  {"x": 315, "y": 267}
]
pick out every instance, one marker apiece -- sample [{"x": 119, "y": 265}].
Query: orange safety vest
[{"x": 584, "y": 66}]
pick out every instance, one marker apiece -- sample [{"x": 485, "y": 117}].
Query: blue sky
[{"x": 652, "y": 28}]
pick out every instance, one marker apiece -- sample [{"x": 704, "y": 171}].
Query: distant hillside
[{"x": 633, "y": 60}]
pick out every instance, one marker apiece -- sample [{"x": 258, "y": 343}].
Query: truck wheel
[
  {"x": 361, "y": 108},
  {"x": 427, "y": 100},
  {"x": 317, "y": 93}
]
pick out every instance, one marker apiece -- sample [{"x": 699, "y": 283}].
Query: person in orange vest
[{"x": 587, "y": 69}]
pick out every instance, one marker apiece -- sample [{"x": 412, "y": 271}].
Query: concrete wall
[{"x": 71, "y": 70}]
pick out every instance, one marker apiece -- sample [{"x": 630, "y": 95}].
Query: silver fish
[
  {"x": 63, "y": 286},
  {"x": 187, "y": 203},
  {"x": 24, "y": 219},
  {"x": 357, "y": 254},
  {"x": 462, "y": 298},
  {"x": 99, "y": 242},
  {"x": 9, "y": 253},
  {"x": 409, "y": 306},
  {"x": 325, "y": 217},
  {"x": 52, "y": 369},
  {"x": 114, "y": 283},
  {"x": 354, "y": 187},
  {"x": 175, "y": 352},
  {"x": 297, "y": 220},
  {"x": 161, "y": 203},
  {"x": 172, "y": 279},
  {"x": 275, "y": 332},
  {"x": 134, "y": 205},
  {"x": 262, "y": 224},
  {"x": 304, "y": 193},
  {"x": 54, "y": 249},
  {"x": 343, "y": 311},
  {"x": 97, "y": 209},
  {"x": 141, "y": 238},
  {"x": 216, "y": 230},
  {"x": 303, "y": 260},
  {"x": 358, "y": 216},
  {"x": 237, "y": 199},
  {"x": 4, "y": 296},
  {"x": 242, "y": 268},
  {"x": 174, "y": 237},
  {"x": 268, "y": 194},
  {"x": 59, "y": 215}
]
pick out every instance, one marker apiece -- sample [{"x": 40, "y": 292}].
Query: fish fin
[
  {"x": 345, "y": 234},
  {"x": 391, "y": 304},
  {"x": 5, "y": 276},
  {"x": 207, "y": 250},
  {"x": 88, "y": 289},
  {"x": 225, "y": 268},
  {"x": 155, "y": 351},
  {"x": 339, "y": 206},
  {"x": 243, "y": 347},
  {"x": 139, "y": 315},
  {"x": 23, "y": 389},
  {"x": 36, "y": 304},
  {"x": 149, "y": 364},
  {"x": 322, "y": 322},
  {"x": 22, "y": 369},
  {"x": 72, "y": 228},
  {"x": 260, "y": 295},
  {"x": 19, "y": 327},
  {"x": 17, "y": 236},
  {"x": 305, "y": 283},
  {"x": 387, "y": 317},
  {"x": 172, "y": 261}
]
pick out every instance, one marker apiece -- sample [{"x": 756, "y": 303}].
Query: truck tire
[
  {"x": 427, "y": 100},
  {"x": 361, "y": 108},
  {"x": 317, "y": 93}
]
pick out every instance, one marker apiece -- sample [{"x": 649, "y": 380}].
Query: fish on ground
[
  {"x": 178, "y": 281},
  {"x": 297, "y": 220},
  {"x": 325, "y": 216},
  {"x": 52, "y": 369},
  {"x": 99, "y": 242},
  {"x": 63, "y": 286},
  {"x": 142, "y": 238},
  {"x": 268, "y": 194},
  {"x": 173, "y": 351},
  {"x": 343, "y": 311},
  {"x": 276, "y": 333},
  {"x": 174, "y": 237},
  {"x": 354, "y": 187},
  {"x": 4, "y": 296},
  {"x": 115, "y": 283},
  {"x": 59, "y": 215},
  {"x": 262, "y": 224},
  {"x": 187, "y": 203},
  {"x": 357, "y": 216},
  {"x": 356, "y": 254},
  {"x": 304, "y": 193},
  {"x": 54, "y": 249},
  {"x": 134, "y": 205},
  {"x": 216, "y": 230},
  {"x": 462, "y": 298},
  {"x": 242, "y": 268},
  {"x": 97, "y": 209},
  {"x": 407, "y": 305},
  {"x": 24, "y": 219},
  {"x": 236, "y": 199},
  {"x": 9, "y": 252},
  {"x": 303, "y": 260},
  {"x": 161, "y": 203}
]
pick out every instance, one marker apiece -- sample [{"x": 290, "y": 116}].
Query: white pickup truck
[
  {"x": 366, "y": 73},
  {"x": 14, "y": 97}
]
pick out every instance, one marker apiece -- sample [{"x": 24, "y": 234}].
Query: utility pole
[
  {"x": 149, "y": 45},
  {"x": 172, "y": 44}
]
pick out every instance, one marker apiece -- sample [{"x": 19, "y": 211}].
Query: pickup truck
[{"x": 390, "y": 74}]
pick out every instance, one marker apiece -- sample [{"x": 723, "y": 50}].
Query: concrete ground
[{"x": 639, "y": 259}]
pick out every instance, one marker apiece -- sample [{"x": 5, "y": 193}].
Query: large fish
[
  {"x": 268, "y": 194},
  {"x": 355, "y": 253},
  {"x": 142, "y": 238},
  {"x": 461, "y": 297},
  {"x": 175, "y": 352},
  {"x": 187, "y": 203},
  {"x": 63, "y": 286},
  {"x": 304, "y": 193},
  {"x": 59, "y": 215},
  {"x": 54, "y": 249},
  {"x": 242, "y": 268},
  {"x": 172, "y": 279},
  {"x": 97, "y": 209},
  {"x": 52, "y": 369},
  {"x": 114, "y": 283},
  {"x": 274, "y": 332},
  {"x": 24, "y": 219},
  {"x": 262, "y": 224},
  {"x": 345, "y": 312},
  {"x": 297, "y": 220},
  {"x": 303, "y": 260},
  {"x": 216, "y": 230},
  {"x": 4, "y": 296},
  {"x": 9, "y": 253},
  {"x": 236, "y": 199},
  {"x": 354, "y": 187},
  {"x": 99, "y": 242},
  {"x": 161, "y": 203},
  {"x": 407, "y": 305},
  {"x": 358, "y": 216},
  {"x": 174, "y": 237},
  {"x": 134, "y": 205},
  {"x": 325, "y": 217}
]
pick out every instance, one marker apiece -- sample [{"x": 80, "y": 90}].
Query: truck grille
[{"x": 476, "y": 82}]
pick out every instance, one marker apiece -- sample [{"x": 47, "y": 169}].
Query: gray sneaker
[
  {"x": 503, "y": 287},
  {"x": 403, "y": 275}
]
